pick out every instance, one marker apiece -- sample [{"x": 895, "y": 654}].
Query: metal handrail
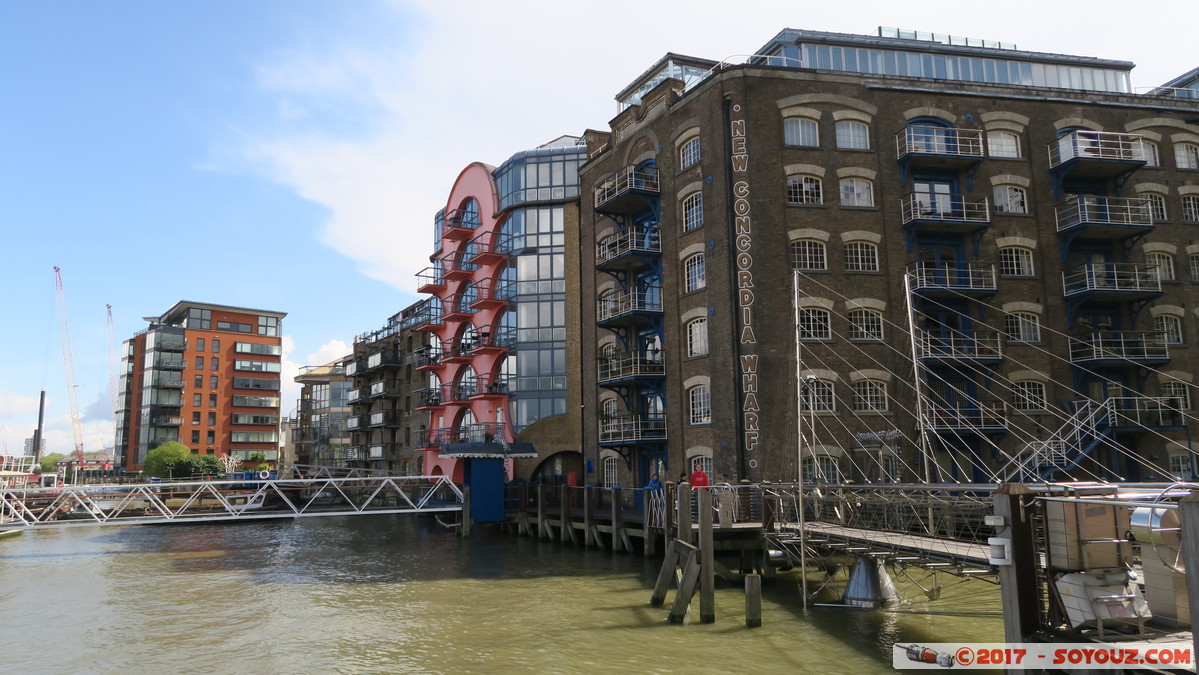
[
  {"x": 1120, "y": 345},
  {"x": 640, "y": 299},
  {"x": 629, "y": 178},
  {"x": 1095, "y": 145},
  {"x": 956, "y": 344},
  {"x": 636, "y": 239},
  {"x": 940, "y": 141},
  {"x": 950, "y": 208},
  {"x": 974, "y": 276},
  {"x": 1116, "y": 277},
  {"x": 1090, "y": 210}
]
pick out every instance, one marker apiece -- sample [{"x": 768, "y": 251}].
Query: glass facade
[{"x": 537, "y": 232}]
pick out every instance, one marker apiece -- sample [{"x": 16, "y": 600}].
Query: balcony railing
[
  {"x": 355, "y": 395},
  {"x": 353, "y": 368},
  {"x": 953, "y": 276},
  {"x": 492, "y": 246},
  {"x": 960, "y": 209},
  {"x": 640, "y": 299},
  {"x": 428, "y": 397},
  {"x": 459, "y": 391},
  {"x": 354, "y": 423},
  {"x": 631, "y": 365},
  {"x": 630, "y": 178},
  {"x": 632, "y": 428},
  {"x": 168, "y": 380},
  {"x": 166, "y": 421},
  {"x": 427, "y": 357},
  {"x": 980, "y": 416},
  {"x": 168, "y": 361},
  {"x": 636, "y": 240},
  {"x": 1103, "y": 211},
  {"x": 385, "y": 388},
  {"x": 1148, "y": 411},
  {"x": 1119, "y": 278},
  {"x": 495, "y": 337},
  {"x": 493, "y": 384},
  {"x": 458, "y": 265},
  {"x": 479, "y": 432},
  {"x": 458, "y": 306},
  {"x": 424, "y": 318},
  {"x": 926, "y": 141},
  {"x": 459, "y": 223},
  {"x": 984, "y": 345},
  {"x": 170, "y": 343},
  {"x": 493, "y": 292},
  {"x": 382, "y": 418},
  {"x": 429, "y": 280},
  {"x": 381, "y": 359},
  {"x": 458, "y": 349},
  {"x": 1120, "y": 345},
  {"x": 1096, "y": 145}
]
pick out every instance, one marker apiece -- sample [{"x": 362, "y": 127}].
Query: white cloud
[
  {"x": 328, "y": 352},
  {"x": 289, "y": 389},
  {"x": 15, "y": 406}
]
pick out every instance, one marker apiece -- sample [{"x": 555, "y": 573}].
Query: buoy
[{"x": 264, "y": 474}]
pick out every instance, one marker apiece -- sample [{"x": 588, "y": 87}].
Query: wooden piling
[
  {"x": 543, "y": 531},
  {"x": 684, "y": 514},
  {"x": 465, "y": 529},
  {"x": 707, "y": 560},
  {"x": 682, "y": 599},
  {"x": 669, "y": 563},
  {"x": 753, "y": 601},
  {"x": 567, "y": 530}
]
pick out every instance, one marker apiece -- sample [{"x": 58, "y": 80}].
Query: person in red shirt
[{"x": 699, "y": 479}]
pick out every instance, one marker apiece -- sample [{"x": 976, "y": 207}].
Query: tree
[
  {"x": 47, "y": 461},
  {"x": 257, "y": 460},
  {"x": 167, "y": 460}
]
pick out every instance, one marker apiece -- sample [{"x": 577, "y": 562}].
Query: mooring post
[
  {"x": 670, "y": 501},
  {"x": 588, "y": 524},
  {"x": 753, "y": 600},
  {"x": 707, "y": 560},
  {"x": 1188, "y": 513},
  {"x": 567, "y": 531},
  {"x": 465, "y": 529},
  {"x": 670, "y": 563},
  {"x": 1018, "y": 579},
  {"x": 684, "y": 513},
  {"x": 617, "y": 522}
]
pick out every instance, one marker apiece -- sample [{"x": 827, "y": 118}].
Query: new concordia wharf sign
[{"x": 744, "y": 241}]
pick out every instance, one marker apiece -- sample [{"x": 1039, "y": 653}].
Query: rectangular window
[
  {"x": 853, "y": 135},
  {"x": 255, "y": 418},
  {"x": 211, "y": 419},
  {"x": 257, "y": 366},
  {"x": 212, "y": 400},
  {"x": 857, "y": 192},
  {"x": 212, "y": 382},
  {"x": 195, "y": 435},
  {"x": 197, "y": 399},
  {"x": 255, "y": 383},
  {"x": 1003, "y": 144},
  {"x": 1190, "y": 208},
  {"x": 689, "y": 153},
  {"x": 611, "y": 471},
  {"x": 234, "y": 326},
  {"x": 870, "y": 396},
  {"x": 1015, "y": 262},
  {"x": 697, "y": 337},
  {"x": 199, "y": 363},
  {"x": 216, "y": 346},
  {"x": 1010, "y": 199},
  {"x": 814, "y": 324},
  {"x": 199, "y": 344},
  {"x": 800, "y": 131},
  {"x": 255, "y": 348},
  {"x": 256, "y": 401},
  {"x": 865, "y": 324},
  {"x": 268, "y": 325},
  {"x": 693, "y": 211},
  {"x": 199, "y": 381},
  {"x": 196, "y": 417},
  {"x": 254, "y": 436},
  {"x": 216, "y": 363},
  {"x": 861, "y": 257},
  {"x": 808, "y": 255},
  {"x": 211, "y": 436}
]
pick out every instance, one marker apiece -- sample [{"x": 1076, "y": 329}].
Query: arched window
[
  {"x": 1194, "y": 262},
  {"x": 861, "y": 256},
  {"x": 1003, "y": 144},
  {"x": 1022, "y": 327},
  {"x": 870, "y": 396},
  {"x": 1028, "y": 395},
  {"x": 801, "y": 131},
  {"x": 809, "y": 255},
  {"x": 1186, "y": 155},
  {"x": 1156, "y": 204},
  {"x": 689, "y": 153},
  {"x": 609, "y": 408},
  {"x": 609, "y": 304},
  {"x": 814, "y": 324},
  {"x": 1171, "y": 326},
  {"x": 853, "y": 135},
  {"x": 1162, "y": 265},
  {"x": 857, "y": 192},
  {"x": 865, "y": 324},
  {"x": 470, "y": 213},
  {"x": 611, "y": 471},
  {"x": 1147, "y": 150},
  {"x": 694, "y": 278},
  {"x": 1010, "y": 199},
  {"x": 693, "y": 211},
  {"x": 1190, "y": 208},
  {"x": 700, "y": 402},
  {"x": 697, "y": 337},
  {"x": 804, "y": 190},
  {"x": 818, "y": 397},
  {"x": 1016, "y": 261}
]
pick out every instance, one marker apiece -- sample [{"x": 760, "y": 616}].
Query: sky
[{"x": 290, "y": 155}]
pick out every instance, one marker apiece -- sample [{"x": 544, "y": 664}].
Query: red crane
[{"x": 64, "y": 328}]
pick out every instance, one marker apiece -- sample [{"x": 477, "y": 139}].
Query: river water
[{"x": 397, "y": 594}]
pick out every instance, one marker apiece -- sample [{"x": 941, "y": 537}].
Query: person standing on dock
[
  {"x": 699, "y": 479},
  {"x": 654, "y": 483}
]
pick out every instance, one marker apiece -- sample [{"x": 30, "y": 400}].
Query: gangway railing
[{"x": 230, "y": 499}]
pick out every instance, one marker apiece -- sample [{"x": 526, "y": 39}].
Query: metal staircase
[{"x": 1091, "y": 424}]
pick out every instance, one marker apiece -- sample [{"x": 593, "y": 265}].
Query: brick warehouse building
[
  {"x": 987, "y": 254},
  {"x": 206, "y": 376}
]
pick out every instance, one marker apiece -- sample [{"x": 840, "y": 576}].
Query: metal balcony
[
  {"x": 961, "y": 213},
  {"x": 492, "y": 247},
  {"x": 1096, "y": 153},
  {"x": 627, "y": 366},
  {"x": 494, "y": 338},
  {"x": 493, "y": 385},
  {"x": 629, "y": 191},
  {"x": 1147, "y": 412},
  {"x": 624, "y": 429},
  {"x": 939, "y": 147},
  {"x": 980, "y": 346},
  {"x": 353, "y": 368},
  {"x": 458, "y": 349},
  {"x": 976, "y": 417},
  {"x": 428, "y": 398},
  {"x": 634, "y": 248},
  {"x": 458, "y": 306},
  {"x": 168, "y": 342},
  {"x": 1103, "y": 217},
  {"x": 428, "y": 318},
  {"x": 382, "y": 360},
  {"x": 166, "y": 421},
  {"x": 638, "y": 303},
  {"x": 355, "y": 395},
  {"x": 493, "y": 292},
  {"x": 383, "y": 418},
  {"x": 167, "y": 381},
  {"x": 429, "y": 280},
  {"x": 354, "y": 423},
  {"x": 457, "y": 266},
  {"x": 1120, "y": 348},
  {"x": 479, "y": 432},
  {"x": 169, "y": 362},
  {"x": 953, "y": 278},
  {"x": 459, "y": 392},
  {"x": 459, "y": 224},
  {"x": 427, "y": 358},
  {"x": 386, "y": 389},
  {"x": 1111, "y": 282}
]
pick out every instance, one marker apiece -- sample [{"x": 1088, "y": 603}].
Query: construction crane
[{"x": 64, "y": 328}]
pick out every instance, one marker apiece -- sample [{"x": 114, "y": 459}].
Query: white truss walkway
[{"x": 222, "y": 500}]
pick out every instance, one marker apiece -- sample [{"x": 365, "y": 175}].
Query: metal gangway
[{"x": 227, "y": 499}]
